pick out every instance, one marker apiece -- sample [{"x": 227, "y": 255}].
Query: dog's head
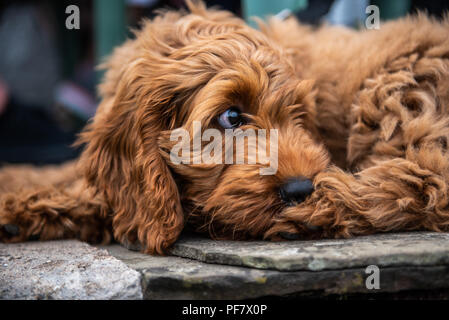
[{"x": 205, "y": 69}]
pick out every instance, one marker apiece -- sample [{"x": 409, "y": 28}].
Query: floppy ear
[
  {"x": 148, "y": 80},
  {"x": 122, "y": 159}
]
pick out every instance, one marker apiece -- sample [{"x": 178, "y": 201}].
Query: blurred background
[{"x": 47, "y": 72}]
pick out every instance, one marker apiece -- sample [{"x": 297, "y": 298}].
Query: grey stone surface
[
  {"x": 180, "y": 278},
  {"x": 64, "y": 270},
  {"x": 408, "y": 262},
  {"x": 383, "y": 250}
]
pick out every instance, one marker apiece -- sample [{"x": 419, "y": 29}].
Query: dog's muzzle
[{"x": 296, "y": 190}]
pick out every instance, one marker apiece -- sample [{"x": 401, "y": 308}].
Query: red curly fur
[{"x": 363, "y": 114}]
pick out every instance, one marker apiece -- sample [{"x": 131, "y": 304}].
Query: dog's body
[{"x": 374, "y": 103}]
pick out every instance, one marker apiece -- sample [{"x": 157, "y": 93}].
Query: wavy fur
[{"x": 363, "y": 114}]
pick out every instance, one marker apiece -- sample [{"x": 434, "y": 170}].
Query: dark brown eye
[{"x": 231, "y": 118}]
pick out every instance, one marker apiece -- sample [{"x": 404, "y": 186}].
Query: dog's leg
[
  {"x": 398, "y": 148},
  {"x": 395, "y": 195},
  {"x": 43, "y": 211}
]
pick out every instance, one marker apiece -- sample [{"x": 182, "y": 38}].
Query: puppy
[
  {"x": 360, "y": 121},
  {"x": 382, "y": 111}
]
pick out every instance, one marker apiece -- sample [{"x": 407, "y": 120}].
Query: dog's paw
[
  {"x": 12, "y": 229},
  {"x": 8, "y": 232},
  {"x": 12, "y": 233}
]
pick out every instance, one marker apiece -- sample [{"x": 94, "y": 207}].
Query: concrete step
[{"x": 200, "y": 268}]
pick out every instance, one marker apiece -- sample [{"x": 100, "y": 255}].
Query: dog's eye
[{"x": 231, "y": 118}]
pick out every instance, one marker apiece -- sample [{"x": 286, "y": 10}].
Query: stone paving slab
[
  {"x": 64, "y": 270},
  {"x": 408, "y": 262},
  {"x": 383, "y": 250},
  {"x": 181, "y": 278}
]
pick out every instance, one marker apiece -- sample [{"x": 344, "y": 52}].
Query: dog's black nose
[{"x": 296, "y": 190}]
